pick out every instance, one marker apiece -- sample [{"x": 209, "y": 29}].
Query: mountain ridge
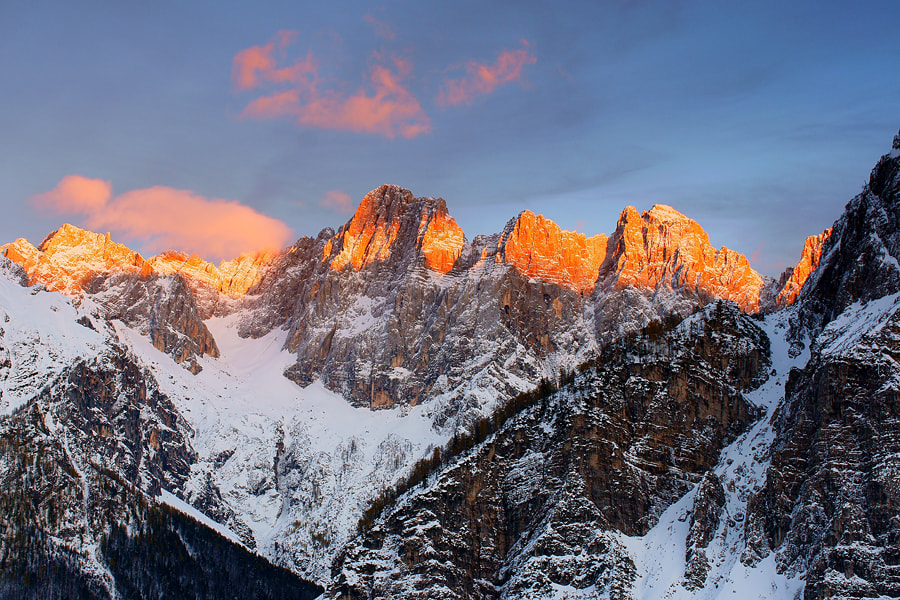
[{"x": 689, "y": 450}]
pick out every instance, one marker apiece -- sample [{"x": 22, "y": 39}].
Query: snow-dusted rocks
[
  {"x": 270, "y": 435},
  {"x": 830, "y": 507},
  {"x": 121, "y": 285},
  {"x": 533, "y": 512}
]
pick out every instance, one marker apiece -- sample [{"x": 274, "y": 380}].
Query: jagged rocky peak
[
  {"x": 662, "y": 248},
  {"x": 124, "y": 285},
  {"x": 539, "y": 248},
  {"x": 391, "y": 223},
  {"x": 859, "y": 260},
  {"x": 797, "y": 276},
  {"x": 232, "y": 277},
  {"x": 70, "y": 257}
]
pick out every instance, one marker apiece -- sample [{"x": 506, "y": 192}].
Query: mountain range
[{"x": 392, "y": 410}]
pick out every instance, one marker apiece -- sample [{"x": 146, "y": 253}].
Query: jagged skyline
[{"x": 727, "y": 113}]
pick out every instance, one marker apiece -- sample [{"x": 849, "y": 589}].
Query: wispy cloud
[
  {"x": 338, "y": 201},
  {"x": 163, "y": 218},
  {"x": 382, "y": 29},
  {"x": 255, "y": 65},
  {"x": 383, "y": 106},
  {"x": 482, "y": 79}
]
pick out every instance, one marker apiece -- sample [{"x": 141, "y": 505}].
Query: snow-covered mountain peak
[{"x": 70, "y": 257}]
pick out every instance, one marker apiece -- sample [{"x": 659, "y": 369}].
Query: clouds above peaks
[
  {"x": 482, "y": 79},
  {"x": 163, "y": 218},
  {"x": 256, "y": 65},
  {"x": 383, "y": 104},
  {"x": 75, "y": 195}
]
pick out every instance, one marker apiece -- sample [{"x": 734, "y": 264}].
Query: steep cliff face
[
  {"x": 391, "y": 226},
  {"x": 397, "y": 308},
  {"x": 536, "y": 507},
  {"x": 538, "y": 248},
  {"x": 809, "y": 261},
  {"x": 663, "y": 249},
  {"x": 830, "y": 502},
  {"x": 831, "y": 498},
  {"x": 162, "y": 308},
  {"x": 859, "y": 258}
]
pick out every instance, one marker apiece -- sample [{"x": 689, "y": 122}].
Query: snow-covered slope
[
  {"x": 295, "y": 465},
  {"x": 41, "y": 335},
  {"x": 87, "y": 441}
]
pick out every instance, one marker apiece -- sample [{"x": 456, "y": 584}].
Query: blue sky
[{"x": 759, "y": 120}]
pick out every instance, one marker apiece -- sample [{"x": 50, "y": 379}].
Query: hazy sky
[{"x": 214, "y": 125}]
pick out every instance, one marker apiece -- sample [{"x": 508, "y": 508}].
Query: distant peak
[
  {"x": 538, "y": 248},
  {"x": 809, "y": 261},
  {"x": 389, "y": 216},
  {"x": 69, "y": 235},
  {"x": 662, "y": 248}
]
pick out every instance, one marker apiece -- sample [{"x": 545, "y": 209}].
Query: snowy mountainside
[
  {"x": 41, "y": 334},
  {"x": 724, "y": 455},
  {"x": 295, "y": 466},
  {"x": 87, "y": 441},
  {"x": 803, "y": 503},
  {"x": 698, "y": 548}
]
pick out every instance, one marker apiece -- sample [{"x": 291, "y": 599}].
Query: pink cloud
[
  {"x": 75, "y": 194},
  {"x": 382, "y": 29},
  {"x": 255, "y": 65},
  {"x": 338, "y": 201},
  {"x": 163, "y": 218},
  {"x": 482, "y": 79},
  {"x": 384, "y": 106}
]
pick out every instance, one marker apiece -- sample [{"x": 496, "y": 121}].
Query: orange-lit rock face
[
  {"x": 441, "y": 242},
  {"x": 538, "y": 248},
  {"x": 664, "y": 248},
  {"x": 372, "y": 229},
  {"x": 232, "y": 277},
  {"x": 23, "y": 253},
  {"x": 70, "y": 256},
  {"x": 371, "y": 234},
  {"x": 809, "y": 260}
]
